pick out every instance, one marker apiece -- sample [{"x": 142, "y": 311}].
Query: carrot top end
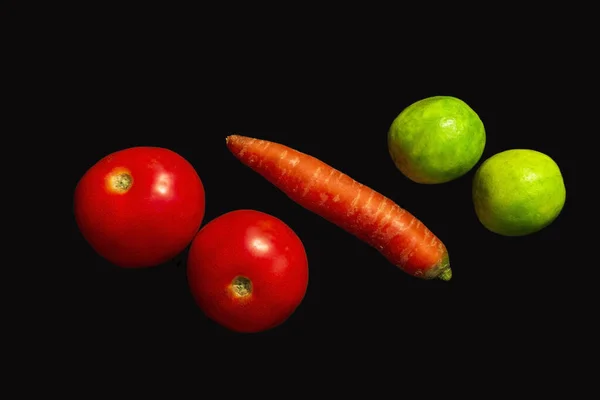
[{"x": 446, "y": 274}]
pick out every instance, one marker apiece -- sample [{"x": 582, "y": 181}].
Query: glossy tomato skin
[
  {"x": 139, "y": 207},
  {"x": 247, "y": 245}
]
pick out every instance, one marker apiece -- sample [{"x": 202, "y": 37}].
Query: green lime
[
  {"x": 436, "y": 140},
  {"x": 518, "y": 192}
]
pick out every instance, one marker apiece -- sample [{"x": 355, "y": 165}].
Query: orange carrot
[{"x": 356, "y": 208}]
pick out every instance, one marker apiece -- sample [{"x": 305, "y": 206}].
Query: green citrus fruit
[
  {"x": 518, "y": 192},
  {"x": 436, "y": 140}
]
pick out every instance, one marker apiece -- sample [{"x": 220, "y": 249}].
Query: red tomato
[
  {"x": 247, "y": 271},
  {"x": 139, "y": 207}
]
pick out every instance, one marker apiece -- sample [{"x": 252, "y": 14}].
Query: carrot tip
[{"x": 446, "y": 274}]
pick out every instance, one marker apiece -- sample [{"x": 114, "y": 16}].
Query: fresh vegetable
[
  {"x": 436, "y": 140},
  {"x": 359, "y": 210},
  {"x": 518, "y": 192},
  {"x": 139, "y": 207},
  {"x": 247, "y": 271}
]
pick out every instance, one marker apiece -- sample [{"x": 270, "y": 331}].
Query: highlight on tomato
[
  {"x": 247, "y": 271},
  {"x": 139, "y": 207}
]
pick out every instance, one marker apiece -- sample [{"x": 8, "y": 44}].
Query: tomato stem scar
[
  {"x": 241, "y": 286},
  {"x": 121, "y": 182}
]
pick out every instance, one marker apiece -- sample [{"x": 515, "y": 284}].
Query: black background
[{"x": 331, "y": 94}]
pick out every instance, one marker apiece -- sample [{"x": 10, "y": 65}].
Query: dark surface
[{"x": 334, "y": 102}]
